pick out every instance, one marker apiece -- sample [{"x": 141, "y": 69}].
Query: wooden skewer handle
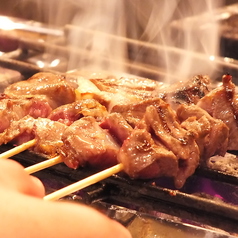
[
  {"x": 18, "y": 149},
  {"x": 84, "y": 183},
  {"x": 43, "y": 165}
]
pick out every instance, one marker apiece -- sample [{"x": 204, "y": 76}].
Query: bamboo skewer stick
[
  {"x": 56, "y": 160},
  {"x": 43, "y": 165},
  {"x": 36, "y": 167},
  {"x": 84, "y": 183},
  {"x": 18, "y": 149}
]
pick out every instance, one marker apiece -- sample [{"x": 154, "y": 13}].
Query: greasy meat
[
  {"x": 189, "y": 92},
  {"x": 14, "y": 109},
  {"x": 143, "y": 157},
  {"x": 134, "y": 112},
  {"x": 117, "y": 126},
  {"x": 186, "y": 92},
  {"x": 222, "y": 103},
  {"x": 86, "y": 143},
  {"x": 112, "y": 91},
  {"x": 211, "y": 133},
  {"x": 177, "y": 143},
  {"x": 47, "y": 133},
  {"x": 153, "y": 131},
  {"x": 143, "y": 88},
  {"x": 69, "y": 113},
  {"x": 57, "y": 88}
]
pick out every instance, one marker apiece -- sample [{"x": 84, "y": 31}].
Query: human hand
[
  {"x": 25, "y": 214},
  {"x": 14, "y": 177}
]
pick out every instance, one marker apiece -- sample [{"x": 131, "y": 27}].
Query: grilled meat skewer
[
  {"x": 14, "y": 109},
  {"x": 222, "y": 103},
  {"x": 69, "y": 113},
  {"x": 44, "y": 130},
  {"x": 57, "y": 88},
  {"x": 157, "y": 144}
]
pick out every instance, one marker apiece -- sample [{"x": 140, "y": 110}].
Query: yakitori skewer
[
  {"x": 84, "y": 183},
  {"x": 18, "y": 149}
]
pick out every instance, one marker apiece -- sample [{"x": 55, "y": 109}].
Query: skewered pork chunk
[
  {"x": 69, "y": 113},
  {"x": 182, "y": 93},
  {"x": 86, "y": 143},
  {"x": 143, "y": 157},
  {"x": 222, "y": 103},
  {"x": 47, "y": 133},
  {"x": 172, "y": 147},
  {"x": 134, "y": 112},
  {"x": 56, "y": 88},
  {"x": 115, "y": 92},
  {"x": 117, "y": 126},
  {"x": 186, "y": 92},
  {"x": 211, "y": 133},
  {"x": 14, "y": 109}
]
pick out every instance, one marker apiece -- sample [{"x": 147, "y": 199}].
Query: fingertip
[{"x": 38, "y": 188}]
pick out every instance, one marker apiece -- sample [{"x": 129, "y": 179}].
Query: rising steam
[{"x": 178, "y": 42}]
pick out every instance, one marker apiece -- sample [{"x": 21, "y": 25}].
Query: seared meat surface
[
  {"x": 134, "y": 112},
  {"x": 86, "y": 143},
  {"x": 56, "y": 88},
  {"x": 222, "y": 103},
  {"x": 164, "y": 136},
  {"x": 143, "y": 88},
  {"x": 47, "y": 133},
  {"x": 164, "y": 123},
  {"x": 211, "y": 133},
  {"x": 189, "y": 92},
  {"x": 113, "y": 91},
  {"x": 186, "y": 92},
  {"x": 14, "y": 109},
  {"x": 117, "y": 126},
  {"x": 69, "y": 113},
  {"x": 143, "y": 157}
]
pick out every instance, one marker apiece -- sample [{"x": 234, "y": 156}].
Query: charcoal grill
[{"x": 207, "y": 206}]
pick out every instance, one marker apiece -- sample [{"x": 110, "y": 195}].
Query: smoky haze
[{"x": 176, "y": 39}]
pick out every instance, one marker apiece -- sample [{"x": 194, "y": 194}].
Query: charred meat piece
[
  {"x": 86, "y": 143},
  {"x": 145, "y": 158},
  {"x": 186, "y": 92},
  {"x": 14, "y": 109},
  {"x": 117, "y": 126},
  {"x": 182, "y": 93},
  {"x": 56, "y": 88},
  {"x": 222, "y": 103},
  {"x": 115, "y": 92},
  {"x": 134, "y": 112},
  {"x": 160, "y": 135},
  {"x": 47, "y": 133},
  {"x": 211, "y": 133},
  {"x": 164, "y": 124},
  {"x": 69, "y": 113}
]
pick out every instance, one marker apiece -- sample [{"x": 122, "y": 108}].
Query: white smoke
[{"x": 179, "y": 39}]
